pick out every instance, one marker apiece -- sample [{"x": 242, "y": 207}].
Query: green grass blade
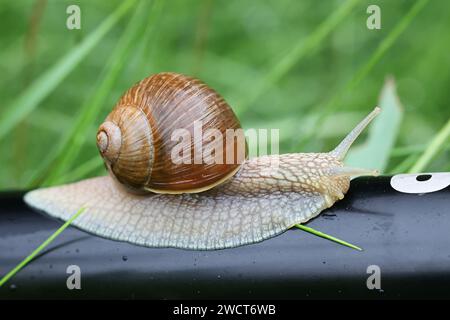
[
  {"x": 414, "y": 149},
  {"x": 297, "y": 53},
  {"x": 376, "y": 150},
  {"x": 48, "y": 81},
  {"x": 326, "y": 236},
  {"x": 388, "y": 42},
  {"x": 334, "y": 102},
  {"x": 50, "y": 239},
  {"x": 405, "y": 164},
  {"x": 407, "y": 150},
  {"x": 87, "y": 167},
  {"x": 144, "y": 64},
  {"x": 433, "y": 148},
  {"x": 92, "y": 107},
  {"x": 61, "y": 158}
]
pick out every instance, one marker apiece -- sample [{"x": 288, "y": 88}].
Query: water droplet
[
  {"x": 124, "y": 258},
  {"x": 13, "y": 287}
]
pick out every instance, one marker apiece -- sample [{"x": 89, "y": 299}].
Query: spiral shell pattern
[{"x": 136, "y": 139}]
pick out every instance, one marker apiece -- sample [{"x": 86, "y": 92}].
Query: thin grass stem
[
  {"x": 433, "y": 148},
  {"x": 49, "y": 240},
  {"x": 299, "y": 51},
  {"x": 364, "y": 70},
  {"x": 326, "y": 236},
  {"x": 48, "y": 81}
]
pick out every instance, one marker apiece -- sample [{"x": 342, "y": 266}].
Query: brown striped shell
[{"x": 138, "y": 144}]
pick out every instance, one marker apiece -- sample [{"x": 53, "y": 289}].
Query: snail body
[{"x": 230, "y": 205}]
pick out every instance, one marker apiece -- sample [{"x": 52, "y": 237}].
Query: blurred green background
[{"x": 310, "y": 68}]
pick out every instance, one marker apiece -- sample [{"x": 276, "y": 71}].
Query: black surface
[{"x": 406, "y": 235}]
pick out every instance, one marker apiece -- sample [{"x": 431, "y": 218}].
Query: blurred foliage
[
  {"x": 310, "y": 68},
  {"x": 381, "y": 134}
]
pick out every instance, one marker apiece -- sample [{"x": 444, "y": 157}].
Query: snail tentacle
[{"x": 341, "y": 150}]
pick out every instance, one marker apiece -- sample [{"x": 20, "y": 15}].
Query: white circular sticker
[{"x": 421, "y": 182}]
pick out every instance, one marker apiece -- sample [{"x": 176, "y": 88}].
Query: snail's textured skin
[{"x": 257, "y": 203}]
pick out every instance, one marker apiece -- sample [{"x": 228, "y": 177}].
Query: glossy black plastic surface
[{"x": 406, "y": 235}]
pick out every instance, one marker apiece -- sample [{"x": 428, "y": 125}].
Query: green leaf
[
  {"x": 47, "y": 82},
  {"x": 376, "y": 150}
]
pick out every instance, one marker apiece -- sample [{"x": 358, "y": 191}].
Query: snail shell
[{"x": 137, "y": 140}]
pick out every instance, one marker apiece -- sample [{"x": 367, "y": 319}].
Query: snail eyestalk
[
  {"x": 341, "y": 150},
  {"x": 349, "y": 171}
]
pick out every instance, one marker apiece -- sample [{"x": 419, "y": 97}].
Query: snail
[{"x": 151, "y": 200}]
